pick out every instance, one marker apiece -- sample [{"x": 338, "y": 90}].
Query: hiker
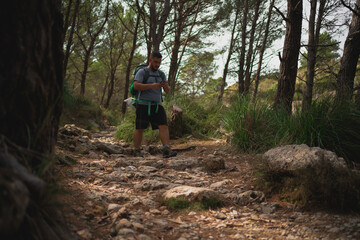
[{"x": 148, "y": 104}]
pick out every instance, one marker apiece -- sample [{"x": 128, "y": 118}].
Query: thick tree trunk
[
  {"x": 31, "y": 88},
  {"x": 226, "y": 67},
  {"x": 262, "y": 50},
  {"x": 349, "y": 60},
  {"x": 31, "y": 80},
  {"x": 243, "y": 49},
  {"x": 250, "y": 54},
  {"x": 289, "y": 61}
]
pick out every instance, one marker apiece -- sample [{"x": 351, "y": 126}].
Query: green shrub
[
  {"x": 176, "y": 204},
  {"x": 258, "y": 127},
  {"x": 210, "y": 203},
  {"x": 200, "y": 118}
]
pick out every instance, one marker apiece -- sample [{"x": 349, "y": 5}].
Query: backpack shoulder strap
[
  {"x": 146, "y": 76},
  {"x": 162, "y": 75}
]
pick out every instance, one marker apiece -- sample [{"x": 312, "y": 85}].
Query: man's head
[{"x": 155, "y": 60}]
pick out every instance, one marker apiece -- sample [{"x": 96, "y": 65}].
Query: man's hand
[{"x": 165, "y": 85}]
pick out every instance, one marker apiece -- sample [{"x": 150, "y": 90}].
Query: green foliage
[
  {"x": 113, "y": 116},
  {"x": 258, "y": 127},
  {"x": 176, "y": 204},
  {"x": 126, "y": 127},
  {"x": 196, "y": 72},
  {"x": 210, "y": 203},
  {"x": 327, "y": 50},
  {"x": 200, "y": 118},
  {"x": 83, "y": 112}
]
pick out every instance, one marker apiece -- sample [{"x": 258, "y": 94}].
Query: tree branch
[
  {"x": 351, "y": 9},
  {"x": 281, "y": 14}
]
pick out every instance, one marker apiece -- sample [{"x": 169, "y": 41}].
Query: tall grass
[{"x": 329, "y": 125}]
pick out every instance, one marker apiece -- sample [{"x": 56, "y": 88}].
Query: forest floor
[{"x": 117, "y": 196}]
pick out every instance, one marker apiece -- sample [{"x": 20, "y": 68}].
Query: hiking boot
[
  {"x": 137, "y": 153},
  {"x": 167, "y": 152}
]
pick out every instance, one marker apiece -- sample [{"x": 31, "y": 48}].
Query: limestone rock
[
  {"x": 294, "y": 157},
  {"x": 247, "y": 197},
  {"x": 182, "y": 164},
  {"x": 190, "y": 193},
  {"x": 213, "y": 164}
]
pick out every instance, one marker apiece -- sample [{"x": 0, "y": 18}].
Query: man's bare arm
[{"x": 141, "y": 86}]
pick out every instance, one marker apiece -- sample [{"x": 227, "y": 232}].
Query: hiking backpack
[{"x": 135, "y": 93}]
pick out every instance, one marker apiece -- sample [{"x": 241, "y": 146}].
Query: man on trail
[{"x": 148, "y": 105}]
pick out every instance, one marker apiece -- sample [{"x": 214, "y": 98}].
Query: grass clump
[
  {"x": 177, "y": 204},
  {"x": 328, "y": 125},
  {"x": 210, "y": 203}
]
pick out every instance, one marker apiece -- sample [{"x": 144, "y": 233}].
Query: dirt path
[{"x": 116, "y": 196}]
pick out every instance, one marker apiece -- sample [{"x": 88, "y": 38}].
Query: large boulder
[{"x": 290, "y": 158}]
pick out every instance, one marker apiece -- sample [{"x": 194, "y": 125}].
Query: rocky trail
[{"x": 108, "y": 194}]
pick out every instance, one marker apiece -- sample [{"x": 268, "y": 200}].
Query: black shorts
[{"x": 155, "y": 118}]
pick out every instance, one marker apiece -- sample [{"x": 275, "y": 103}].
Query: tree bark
[
  {"x": 314, "y": 32},
  {"x": 231, "y": 48},
  {"x": 262, "y": 50},
  {"x": 349, "y": 60},
  {"x": 250, "y": 49},
  {"x": 157, "y": 25},
  {"x": 70, "y": 37},
  {"x": 31, "y": 89},
  {"x": 176, "y": 122},
  {"x": 176, "y": 46},
  {"x": 89, "y": 49},
  {"x": 243, "y": 49},
  {"x": 129, "y": 65},
  {"x": 289, "y": 60}
]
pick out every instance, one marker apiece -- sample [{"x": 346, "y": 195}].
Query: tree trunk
[
  {"x": 110, "y": 89},
  {"x": 89, "y": 49},
  {"x": 176, "y": 47},
  {"x": 157, "y": 25},
  {"x": 243, "y": 49},
  {"x": 226, "y": 67},
  {"x": 349, "y": 60},
  {"x": 176, "y": 122},
  {"x": 129, "y": 65},
  {"x": 70, "y": 37},
  {"x": 250, "y": 49},
  {"x": 84, "y": 72},
  {"x": 31, "y": 89},
  {"x": 289, "y": 61},
  {"x": 262, "y": 50},
  {"x": 313, "y": 42}
]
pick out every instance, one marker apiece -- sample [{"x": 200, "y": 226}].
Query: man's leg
[
  {"x": 138, "y": 134},
  {"x": 164, "y": 134},
  {"x": 165, "y": 139}
]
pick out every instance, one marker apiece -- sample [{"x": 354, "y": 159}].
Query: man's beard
[{"x": 153, "y": 68}]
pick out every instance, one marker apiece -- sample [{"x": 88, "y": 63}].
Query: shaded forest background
[{"x": 74, "y": 59}]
